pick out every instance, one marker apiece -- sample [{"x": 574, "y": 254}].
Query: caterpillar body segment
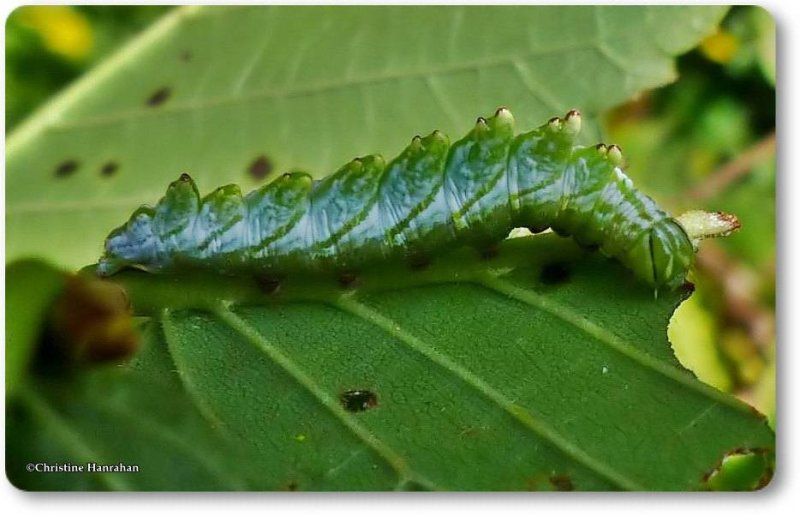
[{"x": 433, "y": 196}]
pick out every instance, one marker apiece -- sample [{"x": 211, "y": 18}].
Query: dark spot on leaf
[
  {"x": 260, "y": 168},
  {"x": 291, "y": 485},
  {"x": 358, "y": 400},
  {"x": 66, "y": 168},
  {"x": 109, "y": 169},
  {"x": 587, "y": 246},
  {"x": 159, "y": 97},
  {"x": 186, "y": 56},
  {"x": 555, "y": 273},
  {"x": 489, "y": 252},
  {"x": 561, "y": 482},
  {"x": 347, "y": 280},
  {"x": 268, "y": 285},
  {"x": 418, "y": 262},
  {"x": 412, "y": 485}
]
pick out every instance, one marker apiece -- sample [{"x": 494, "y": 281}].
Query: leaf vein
[
  {"x": 70, "y": 437},
  {"x": 607, "y": 338},
  {"x": 254, "y": 337},
  {"x": 520, "y": 414}
]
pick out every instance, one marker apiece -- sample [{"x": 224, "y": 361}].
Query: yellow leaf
[
  {"x": 720, "y": 47},
  {"x": 64, "y": 30}
]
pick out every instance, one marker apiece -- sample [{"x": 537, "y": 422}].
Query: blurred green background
[{"x": 707, "y": 140}]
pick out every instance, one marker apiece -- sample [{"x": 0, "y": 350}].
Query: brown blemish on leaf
[
  {"x": 469, "y": 431},
  {"x": 66, "y": 168},
  {"x": 109, "y": 169},
  {"x": 186, "y": 56},
  {"x": 291, "y": 485},
  {"x": 418, "y": 262},
  {"x": 489, "y": 252},
  {"x": 92, "y": 322},
  {"x": 260, "y": 167},
  {"x": 358, "y": 400},
  {"x": 413, "y": 485},
  {"x": 268, "y": 285},
  {"x": 159, "y": 97},
  {"x": 561, "y": 482},
  {"x": 347, "y": 280}
]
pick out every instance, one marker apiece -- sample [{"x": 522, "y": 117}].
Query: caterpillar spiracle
[{"x": 432, "y": 196}]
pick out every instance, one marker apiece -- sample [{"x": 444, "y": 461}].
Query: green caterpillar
[{"x": 433, "y": 196}]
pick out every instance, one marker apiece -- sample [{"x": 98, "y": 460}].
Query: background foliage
[
  {"x": 709, "y": 139},
  {"x": 706, "y": 140}
]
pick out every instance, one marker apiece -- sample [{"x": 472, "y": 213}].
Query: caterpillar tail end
[{"x": 700, "y": 225}]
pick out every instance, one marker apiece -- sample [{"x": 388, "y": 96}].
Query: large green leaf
[
  {"x": 541, "y": 368},
  {"x": 211, "y": 90},
  {"x": 30, "y": 289},
  {"x": 545, "y": 367}
]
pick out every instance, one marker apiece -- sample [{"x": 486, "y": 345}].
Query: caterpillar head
[
  {"x": 141, "y": 241},
  {"x": 132, "y": 243},
  {"x": 662, "y": 255}
]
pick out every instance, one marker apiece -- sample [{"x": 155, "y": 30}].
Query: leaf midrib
[
  {"x": 316, "y": 89},
  {"x": 515, "y": 60}
]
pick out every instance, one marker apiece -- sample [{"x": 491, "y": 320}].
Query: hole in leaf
[
  {"x": 743, "y": 469},
  {"x": 555, "y": 273},
  {"x": 260, "y": 168},
  {"x": 268, "y": 285},
  {"x": 159, "y": 97},
  {"x": 67, "y": 168},
  {"x": 418, "y": 262},
  {"x": 489, "y": 252},
  {"x": 358, "y": 400},
  {"x": 109, "y": 169},
  {"x": 347, "y": 280}
]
